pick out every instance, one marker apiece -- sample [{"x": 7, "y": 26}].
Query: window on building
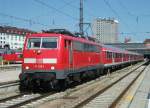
[
  {"x": 19, "y": 38},
  {"x": 16, "y": 37}
]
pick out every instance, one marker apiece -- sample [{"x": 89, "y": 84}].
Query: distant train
[
  {"x": 13, "y": 56},
  {"x": 57, "y": 57}
]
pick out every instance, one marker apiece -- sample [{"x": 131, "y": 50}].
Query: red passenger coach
[
  {"x": 56, "y": 56},
  {"x": 114, "y": 57}
]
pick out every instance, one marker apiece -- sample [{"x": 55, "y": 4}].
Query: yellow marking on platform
[{"x": 129, "y": 97}]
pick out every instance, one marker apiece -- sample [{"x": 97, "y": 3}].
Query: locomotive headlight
[
  {"x": 39, "y": 52},
  {"x": 27, "y": 67},
  {"x": 52, "y": 67}
]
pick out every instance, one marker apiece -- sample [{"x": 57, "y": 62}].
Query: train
[
  {"x": 12, "y": 56},
  {"x": 56, "y": 58}
]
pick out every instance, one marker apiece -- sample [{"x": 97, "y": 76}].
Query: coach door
[{"x": 113, "y": 57}]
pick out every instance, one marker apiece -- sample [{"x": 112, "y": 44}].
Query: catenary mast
[{"x": 81, "y": 18}]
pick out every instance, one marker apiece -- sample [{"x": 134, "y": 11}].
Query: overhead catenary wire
[
  {"x": 125, "y": 8},
  {"x": 68, "y": 4},
  {"x": 131, "y": 13},
  {"x": 53, "y": 8},
  {"x": 115, "y": 12},
  {"x": 22, "y": 19},
  {"x": 125, "y": 33},
  {"x": 137, "y": 16},
  {"x": 75, "y": 7},
  {"x": 60, "y": 8},
  {"x": 128, "y": 12},
  {"x": 110, "y": 7}
]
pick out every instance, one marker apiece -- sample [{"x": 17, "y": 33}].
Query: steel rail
[
  {"x": 9, "y": 83},
  {"x": 11, "y": 97},
  {"x": 86, "y": 101},
  {"x": 22, "y": 99},
  {"x": 116, "y": 101}
]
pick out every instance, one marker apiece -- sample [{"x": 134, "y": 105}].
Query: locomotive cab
[
  {"x": 41, "y": 56},
  {"x": 40, "y": 52}
]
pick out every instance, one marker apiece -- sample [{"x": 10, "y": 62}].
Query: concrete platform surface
[
  {"x": 9, "y": 75},
  {"x": 140, "y": 99}
]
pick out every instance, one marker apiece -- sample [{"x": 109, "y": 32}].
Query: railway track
[
  {"x": 22, "y": 99},
  {"x": 8, "y": 89},
  {"x": 16, "y": 99},
  {"x": 83, "y": 94},
  {"x": 71, "y": 98},
  {"x": 110, "y": 96},
  {"x": 9, "y": 83}
]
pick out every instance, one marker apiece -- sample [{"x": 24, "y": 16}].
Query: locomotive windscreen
[{"x": 37, "y": 43}]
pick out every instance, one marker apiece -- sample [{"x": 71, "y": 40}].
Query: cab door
[{"x": 70, "y": 53}]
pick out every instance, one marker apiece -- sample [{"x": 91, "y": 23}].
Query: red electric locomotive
[{"x": 56, "y": 57}]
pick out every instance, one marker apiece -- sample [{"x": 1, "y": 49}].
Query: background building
[
  {"x": 105, "y": 30},
  {"x": 143, "y": 48},
  {"x": 12, "y": 36}
]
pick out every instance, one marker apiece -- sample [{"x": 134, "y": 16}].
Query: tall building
[
  {"x": 12, "y": 36},
  {"x": 105, "y": 30}
]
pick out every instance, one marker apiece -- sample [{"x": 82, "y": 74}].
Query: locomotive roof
[
  {"x": 66, "y": 35},
  {"x": 59, "y": 31},
  {"x": 66, "y": 32}
]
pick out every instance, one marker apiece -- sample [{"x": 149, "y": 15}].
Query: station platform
[
  {"x": 139, "y": 94},
  {"x": 141, "y": 97},
  {"x": 7, "y": 75}
]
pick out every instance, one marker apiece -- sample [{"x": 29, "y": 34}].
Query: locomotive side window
[
  {"x": 78, "y": 46},
  {"x": 49, "y": 42},
  {"x": 34, "y": 42},
  {"x": 85, "y": 47}
]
